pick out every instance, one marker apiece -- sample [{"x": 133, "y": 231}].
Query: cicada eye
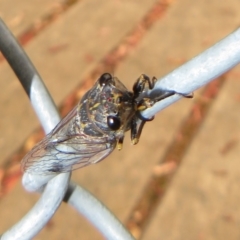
[
  {"x": 113, "y": 122},
  {"x": 105, "y": 78}
]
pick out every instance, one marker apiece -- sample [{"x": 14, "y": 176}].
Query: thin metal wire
[
  {"x": 199, "y": 71},
  {"x": 98, "y": 214},
  {"x": 57, "y": 186},
  {"x": 43, "y": 210},
  {"x": 29, "y": 78},
  {"x": 40, "y": 214}
]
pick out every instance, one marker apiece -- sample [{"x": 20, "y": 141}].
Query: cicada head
[{"x": 107, "y": 108}]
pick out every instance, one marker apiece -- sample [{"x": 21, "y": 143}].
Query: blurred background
[{"x": 181, "y": 181}]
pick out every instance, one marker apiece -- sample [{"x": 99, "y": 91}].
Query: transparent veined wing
[{"x": 60, "y": 152}]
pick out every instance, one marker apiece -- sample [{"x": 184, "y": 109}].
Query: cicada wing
[
  {"x": 74, "y": 152},
  {"x": 63, "y": 151},
  {"x": 65, "y": 121}
]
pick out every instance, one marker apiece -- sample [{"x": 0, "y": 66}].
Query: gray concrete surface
[{"x": 201, "y": 203}]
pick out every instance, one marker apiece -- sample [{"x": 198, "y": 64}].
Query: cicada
[{"x": 95, "y": 127}]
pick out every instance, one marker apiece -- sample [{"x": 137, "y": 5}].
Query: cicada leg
[
  {"x": 136, "y": 129},
  {"x": 142, "y": 84},
  {"x": 137, "y": 126},
  {"x": 120, "y": 143}
]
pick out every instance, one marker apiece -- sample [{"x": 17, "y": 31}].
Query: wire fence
[{"x": 56, "y": 188}]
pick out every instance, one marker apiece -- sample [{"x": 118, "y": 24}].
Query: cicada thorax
[{"x": 107, "y": 109}]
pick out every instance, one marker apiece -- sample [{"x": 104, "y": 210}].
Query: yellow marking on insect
[
  {"x": 142, "y": 77},
  {"x": 116, "y": 97},
  {"x": 79, "y": 106},
  {"x": 141, "y": 108},
  {"x": 135, "y": 141},
  {"x": 95, "y": 106},
  {"x": 146, "y": 104},
  {"x": 82, "y": 125},
  {"x": 119, "y": 145}
]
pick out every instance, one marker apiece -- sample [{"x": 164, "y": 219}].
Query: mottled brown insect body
[
  {"x": 110, "y": 99},
  {"x": 93, "y": 129}
]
